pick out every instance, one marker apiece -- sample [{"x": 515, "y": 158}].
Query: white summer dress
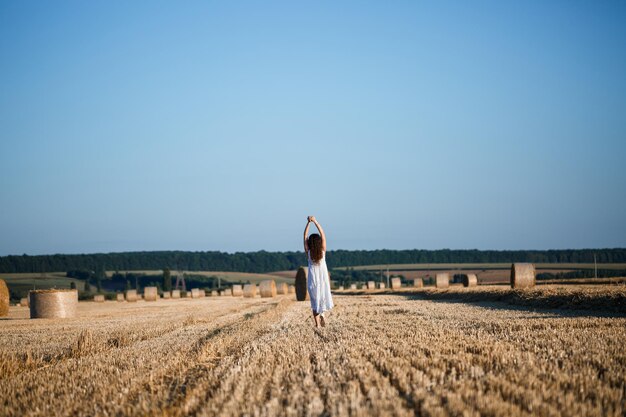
[{"x": 318, "y": 285}]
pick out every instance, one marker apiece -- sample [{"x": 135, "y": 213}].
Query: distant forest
[{"x": 259, "y": 262}]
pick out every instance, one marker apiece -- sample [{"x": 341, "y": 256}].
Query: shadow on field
[{"x": 564, "y": 302}]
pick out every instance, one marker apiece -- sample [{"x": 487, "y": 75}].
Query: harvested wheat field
[{"x": 380, "y": 354}]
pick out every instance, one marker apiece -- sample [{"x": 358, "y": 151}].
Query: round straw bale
[
  {"x": 268, "y": 288},
  {"x": 150, "y": 294},
  {"x": 418, "y": 282},
  {"x": 353, "y": 286},
  {"x": 120, "y": 296},
  {"x": 24, "y": 302},
  {"x": 470, "y": 280},
  {"x": 371, "y": 285},
  {"x": 442, "y": 280},
  {"x": 214, "y": 293},
  {"x": 282, "y": 288},
  {"x": 302, "y": 294},
  {"x": 175, "y": 293},
  {"x": 382, "y": 286},
  {"x": 249, "y": 290},
  {"x": 237, "y": 290},
  {"x": 188, "y": 294},
  {"x": 131, "y": 295},
  {"x": 340, "y": 288},
  {"x": 522, "y": 275},
  {"x": 4, "y": 298},
  {"x": 226, "y": 292},
  {"x": 292, "y": 289},
  {"x": 202, "y": 293},
  {"x": 167, "y": 294},
  {"x": 364, "y": 286},
  {"x": 396, "y": 283},
  {"x": 98, "y": 298},
  {"x": 195, "y": 293},
  {"x": 51, "y": 304}
]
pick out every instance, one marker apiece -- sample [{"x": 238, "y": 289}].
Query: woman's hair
[{"x": 315, "y": 247}]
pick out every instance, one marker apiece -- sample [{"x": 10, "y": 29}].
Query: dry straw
[
  {"x": 226, "y": 292},
  {"x": 371, "y": 285},
  {"x": 195, "y": 293},
  {"x": 52, "y": 304},
  {"x": 522, "y": 275},
  {"x": 340, "y": 288},
  {"x": 282, "y": 288},
  {"x": 150, "y": 293},
  {"x": 237, "y": 290},
  {"x": 353, "y": 286},
  {"x": 382, "y": 285},
  {"x": 442, "y": 280},
  {"x": 268, "y": 288},
  {"x": 99, "y": 298},
  {"x": 4, "y": 298},
  {"x": 249, "y": 290},
  {"x": 167, "y": 294},
  {"x": 418, "y": 282},
  {"x": 396, "y": 283},
  {"x": 301, "y": 284},
  {"x": 175, "y": 293},
  {"x": 24, "y": 302},
  {"x": 120, "y": 296},
  {"x": 202, "y": 293},
  {"x": 214, "y": 293},
  {"x": 292, "y": 289},
  {"x": 470, "y": 280}
]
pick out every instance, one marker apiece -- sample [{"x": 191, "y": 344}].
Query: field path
[{"x": 379, "y": 355}]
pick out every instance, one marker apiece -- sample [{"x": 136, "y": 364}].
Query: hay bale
[
  {"x": 418, "y": 282},
  {"x": 364, "y": 286},
  {"x": 188, "y": 294},
  {"x": 237, "y": 290},
  {"x": 150, "y": 293},
  {"x": 131, "y": 295},
  {"x": 249, "y": 290},
  {"x": 120, "y": 296},
  {"x": 167, "y": 295},
  {"x": 195, "y": 293},
  {"x": 340, "y": 288},
  {"x": 175, "y": 293},
  {"x": 202, "y": 293},
  {"x": 214, "y": 293},
  {"x": 522, "y": 275},
  {"x": 226, "y": 292},
  {"x": 442, "y": 280},
  {"x": 302, "y": 294},
  {"x": 371, "y": 285},
  {"x": 52, "y": 304},
  {"x": 282, "y": 288},
  {"x": 353, "y": 286},
  {"x": 292, "y": 289},
  {"x": 268, "y": 288},
  {"x": 382, "y": 286},
  {"x": 4, "y": 298},
  {"x": 470, "y": 280},
  {"x": 98, "y": 298},
  {"x": 396, "y": 283},
  {"x": 24, "y": 302}
]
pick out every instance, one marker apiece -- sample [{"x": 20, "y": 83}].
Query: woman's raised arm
[
  {"x": 322, "y": 234},
  {"x": 306, "y": 231}
]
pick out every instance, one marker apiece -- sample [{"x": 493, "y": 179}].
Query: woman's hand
[{"x": 311, "y": 219}]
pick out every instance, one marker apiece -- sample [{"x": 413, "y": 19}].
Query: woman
[{"x": 318, "y": 283}]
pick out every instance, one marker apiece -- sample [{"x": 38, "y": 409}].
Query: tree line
[{"x": 262, "y": 261}]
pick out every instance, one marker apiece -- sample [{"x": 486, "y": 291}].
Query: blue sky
[{"x": 222, "y": 125}]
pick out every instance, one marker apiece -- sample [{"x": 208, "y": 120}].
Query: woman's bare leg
[{"x": 316, "y": 317}]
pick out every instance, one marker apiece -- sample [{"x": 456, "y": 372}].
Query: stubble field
[{"x": 381, "y": 354}]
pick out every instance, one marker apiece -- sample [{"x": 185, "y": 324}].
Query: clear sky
[{"x": 222, "y": 125}]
